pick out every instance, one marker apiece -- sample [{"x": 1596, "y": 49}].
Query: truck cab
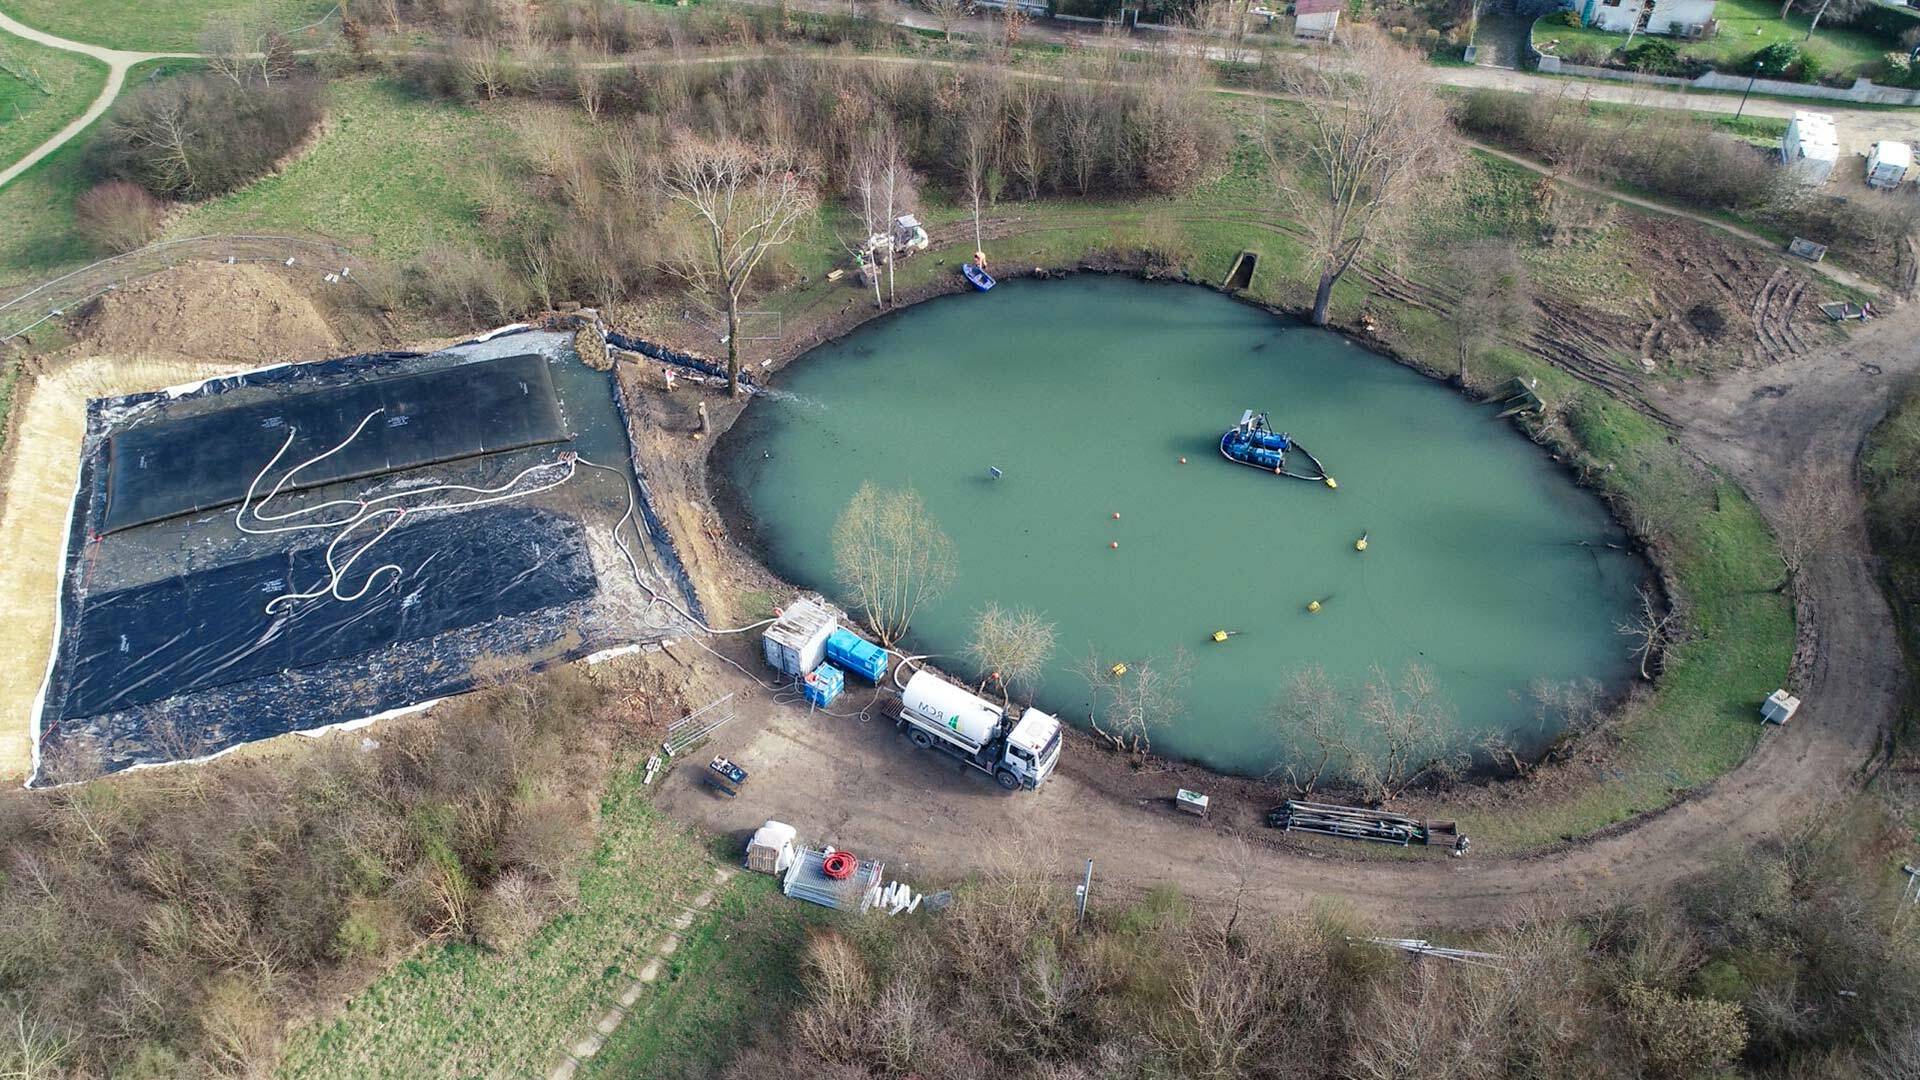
[{"x": 1033, "y": 748}]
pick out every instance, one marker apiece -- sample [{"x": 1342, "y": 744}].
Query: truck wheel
[
  {"x": 921, "y": 739},
  {"x": 1007, "y": 779}
]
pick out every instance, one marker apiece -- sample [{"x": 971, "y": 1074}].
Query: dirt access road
[{"x": 860, "y": 785}]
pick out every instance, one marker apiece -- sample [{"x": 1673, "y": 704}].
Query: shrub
[
  {"x": 1809, "y": 68},
  {"x": 1773, "y": 60},
  {"x": 196, "y": 136},
  {"x": 118, "y": 216},
  {"x": 1570, "y": 17},
  {"x": 1655, "y": 57}
]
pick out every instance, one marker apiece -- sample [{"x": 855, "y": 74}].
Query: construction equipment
[
  {"x": 937, "y": 714},
  {"x": 806, "y": 879},
  {"x": 1359, "y": 823}
]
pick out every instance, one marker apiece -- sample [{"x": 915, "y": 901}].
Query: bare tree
[
  {"x": 744, "y": 201},
  {"x": 247, "y": 45},
  {"x": 976, "y": 132},
  {"x": 33, "y": 1050},
  {"x": 891, "y": 556},
  {"x": 1374, "y": 130},
  {"x": 946, "y": 14},
  {"x": 1080, "y": 132},
  {"x": 1312, "y": 722},
  {"x": 1652, "y": 629},
  {"x": 1496, "y": 298},
  {"x": 1412, "y": 735},
  {"x": 1011, "y": 647},
  {"x": 1023, "y": 137},
  {"x": 1131, "y": 702},
  {"x": 1813, "y": 514}
]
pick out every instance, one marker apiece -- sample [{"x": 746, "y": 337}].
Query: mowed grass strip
[
  {"x": 735, "y": 975},
  {"x": 150, "y": 25},
  {"x": 462, "y": 1011},
  {"x": 41, "y": 91}
]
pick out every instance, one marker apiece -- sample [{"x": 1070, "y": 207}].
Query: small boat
[
  {"x": 1253, "y": 442},
  {"x": 980, "y": 278}
]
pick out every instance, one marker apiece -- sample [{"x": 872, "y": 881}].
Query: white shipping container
[
  {"x": 797, "y": 641},
  {"x": 1887, "y": 164}
]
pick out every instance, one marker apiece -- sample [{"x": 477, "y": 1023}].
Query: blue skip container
[
  {"x": 823, "y": 684},
  {"x": 857, "y": 654}
]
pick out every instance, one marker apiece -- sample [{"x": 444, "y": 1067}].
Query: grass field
[
  {"x": 390, "y": 174},
  {"x": 460, "y": 1010},
  {"x": 735, "y": 974},
  {"x": 1746, "y": 26},
  {"x": 37, "y": 207},
  {"x": 41, "y": 90},
  {"x": 147, "y": 25}
]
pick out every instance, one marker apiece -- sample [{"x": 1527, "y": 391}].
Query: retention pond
[{"x": 1484, "y": 562}]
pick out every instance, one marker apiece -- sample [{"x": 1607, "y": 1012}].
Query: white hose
[{"x": 365, "y": 510}]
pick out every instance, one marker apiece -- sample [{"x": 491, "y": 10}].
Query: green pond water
[{"x": 1485, "y": 562}]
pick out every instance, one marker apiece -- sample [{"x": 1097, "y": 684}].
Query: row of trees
[{"x": 1738, "y": 971}]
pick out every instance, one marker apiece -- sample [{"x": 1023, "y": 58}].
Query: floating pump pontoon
[{"x": 1253, "y": 442}]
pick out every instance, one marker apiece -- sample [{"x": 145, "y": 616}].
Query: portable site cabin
[
  {"x": 1810, "y": 147},
  {"x": 1887, "y": 164},
  {"x": 797, "y": 641},
  {"x": 1316, "y": 20}
]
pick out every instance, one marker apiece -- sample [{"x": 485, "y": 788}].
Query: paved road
[
  {"x": 118, "y": 61},
  {"x": 859, "y": 784}
]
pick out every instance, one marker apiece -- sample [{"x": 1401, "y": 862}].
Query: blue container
[
  {"x": 823, "y": 685},
  {"x": 857, "y": 654}
]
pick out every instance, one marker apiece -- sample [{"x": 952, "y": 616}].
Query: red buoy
[
  {"x": 1115, "y": 545},
  {"x": 1116, "y": 515}
]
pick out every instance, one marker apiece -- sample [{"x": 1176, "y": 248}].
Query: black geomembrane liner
[
  {"x": 167, "y": 467},
  {"x": 211, "y": 628}
]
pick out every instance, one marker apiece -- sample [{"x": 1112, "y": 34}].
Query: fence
[
  {"x": 1864, "y": 91},
  {"x": 37, "y": 304}
]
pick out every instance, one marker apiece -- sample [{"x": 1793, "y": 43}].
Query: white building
[
  {"x": 1682, "y": 18},
  {"x": 1316, "y": 19},
  {"x": 1810, "y": 147}
]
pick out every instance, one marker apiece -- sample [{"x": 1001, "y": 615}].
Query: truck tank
[{"x": 971, "y": 720}]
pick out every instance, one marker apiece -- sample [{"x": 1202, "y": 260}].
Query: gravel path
[{"x": 118, "y": 62}]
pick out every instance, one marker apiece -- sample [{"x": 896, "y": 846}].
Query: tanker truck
[{"x": 938, "y": 715}]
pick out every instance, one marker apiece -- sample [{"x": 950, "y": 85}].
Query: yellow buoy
[
  {"x": 1117, "y": 670},
  {"x": 1313, "y": 605},
  {"x": 1332, "y": 483},
  {"x": 1361, "y": 544},
  {"x": 1219, "y": 635}
]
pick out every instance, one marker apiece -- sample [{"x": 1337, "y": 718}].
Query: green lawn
[
  {"x": 1745, "y": 26},
  {"x": 391, "y": 174},
  {"x": 38, "y": 240},
  {"x": 736, "y": 973},
  {"x": 41, "y": 90},
  {"x": 460, "y": 1010},
  {"x": 147, "y": 25}
]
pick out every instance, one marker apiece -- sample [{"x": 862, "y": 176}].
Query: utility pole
[{"x": 1743, "y": 94}]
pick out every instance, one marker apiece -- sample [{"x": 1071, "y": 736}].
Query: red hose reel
[{"x": 839, "y": 865}]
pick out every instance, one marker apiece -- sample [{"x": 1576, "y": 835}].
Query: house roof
[{"x": 1317, "y": 7}]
